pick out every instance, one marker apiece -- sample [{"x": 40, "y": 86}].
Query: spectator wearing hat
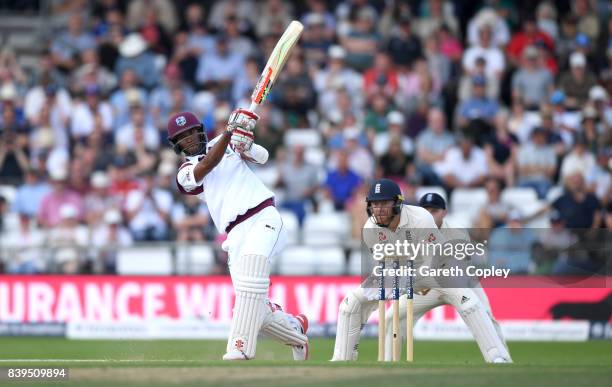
[
  {"x": 334, "y": 76},
  {"x": 496, "y": 19},
  {"x": 148, "y": 211},
  {"x": 107, "y": 239},
  {"x": 396, "y": 125},
  {"x": 598, "y": 97},
  {"x": 49, "y": 214},
  {"x": 567, "y": 121},
  {"x": 82, "y": 120},
  {"x": 578, "y": 81},
  {"x": 532, "y": 83},
  {"x": 478, "y": 106},
  {"x": 135, "y": 56},
  {"x": 465, "y": 83},
  {"x": 432, "y": 145},
  {"x": 464, "y": 165},
  {"x": 300, "y": 181},
  {"x": 493, "y": 56},
  {"x": 536, "y": 163},
  {"x": 68, "y": 240},
  {"x": 137, "y": 132}
]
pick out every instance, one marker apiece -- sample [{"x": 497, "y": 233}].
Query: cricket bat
[{"x": 275, "y": 64}]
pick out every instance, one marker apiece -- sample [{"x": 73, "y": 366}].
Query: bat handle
[{"x": 253, "y": 107}]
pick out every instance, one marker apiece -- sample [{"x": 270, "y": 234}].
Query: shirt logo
[
  {"x": 377, "y": 188},
  {"x": 180, "y": 120},
  {"x": 382, "y": 236}
]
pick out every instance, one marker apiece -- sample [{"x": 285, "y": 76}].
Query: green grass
[{"x": 196, "y": 363}]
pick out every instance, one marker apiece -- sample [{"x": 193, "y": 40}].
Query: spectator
[
  {"x": 577, "y": 82},
  {"x": 295, "y": 93},
  {"x": 13, "y": 144},
  {"x": 579, "y": 159},
  {"x": 56, "y": 98},
  {"x": 236, "y": 41},
  {"x": 432, "y": 145},
  {"x": 217, "y": 71},
  {"x": 434, "y": 14},
  {"x": 244, "y": 10},
  {"x": 49, "y": 214},
  {"x": 556, "y": 242},
  {"x": 376, "y": 115},
  {"x": 404, "y": 46},
  {"x": 137, "y": 131},
  {"x": 273, "y": 17},
  {"x": 536, "y": 163},
  {"x": 531, "y": 83},
  {"x": 148, "y": 211},
  {"x": 68, "y": 240},
  {"x": 107, "y": 239},
  {"x": 300, "y": 181},
  {"x": 394, "y": 132},
  {"x": 463, "y": 166},
  {"x": 129, "y": 92},
  {"x": 395, "y": 163},
  {"x": 478, "y": 106},
  {"x": 493, "y": 19},
  {"x": 599, "y": 98},
  {"x": 599, "y": 178},
  {"x": 23, "y": 247},
  {"x": 135, "y": 56},
  {"x": 495, "y": 212},
  {"x": 91, "y": 73},
  {"x": 189, "y": 219},
  {"x": 466, "y": 81},
  {"x": 546, "y": 15},
  {"x": 30, "y": 194},
  {"x": 500, "y": 149},
  {"x": 361, "y": 42},
  {"x": 83, "y": 118},
  {"x": 98, "y": 200},
  {"x": 341, "y": 182},
  {"x": 164, "y": 8},
  {"x": 528, "y": 36},
  {"x": 153, "y": 33},
  {"x": 68, "y": 46},
  {"x": 439, "y": 64},
  {"x": 579, "y": 208},
  {"x": 510, "y": 246},
  {"x": 121, "y": 175},
  {"x": 381, "y": 78},
  {"x": 588, "y": 22},
  {"x": 360, "y": 159},
  {"x": 161, "y": 96},
  {"x": 493, "y": 56}
]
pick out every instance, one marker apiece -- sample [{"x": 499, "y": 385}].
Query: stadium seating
[
  {"x": 296, "y": 260},
  {"x": 554, "y": 193},
  {"x": 144, "y": 260},
  {"x": 291, "y": 226},
  {"x": 354, "y": 263},
  {"x": 194, "y": 259},
  {"x": 466, "y": 202},
  {"x": 329, "y": 261},
  {"x": 304, "y": 137},
  {"x": 520, "y": 198},
  {"x": 326, "y": 228}
]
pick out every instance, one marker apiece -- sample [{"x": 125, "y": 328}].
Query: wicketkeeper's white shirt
[{"x": 229, "y": 190}]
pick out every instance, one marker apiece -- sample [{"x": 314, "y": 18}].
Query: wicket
[{"x": 396, "y": 342}]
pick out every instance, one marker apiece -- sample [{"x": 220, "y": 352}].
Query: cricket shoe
[
  {"x": 501, "y": 360},
  {"x": 237, "y": 351},
  {"x": 300, "y": 352}
]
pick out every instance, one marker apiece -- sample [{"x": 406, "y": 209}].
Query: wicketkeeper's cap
[{"x": 432, "y": 200}]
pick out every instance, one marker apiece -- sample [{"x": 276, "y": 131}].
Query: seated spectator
[
  {"x": 510, "y": 247},
  {"x": 47, "y": 94},
  {"x": 49, "y": 214},
  {"x": 161, "y": 97},
  {"x": 555, "y": 242},
  {"x": 395, "y": 132},
  {"x": 404, "y": 46},
  {"x": 217, "y": 70},
  {"x": 148, "y": 211},
  {"x": 135, "y": 56},
  {"x": 500, "y": 149},
  {"x": 129, "y": 92},
  {"x": 300, "y": 181},
  {"x": 69, "y": 240},
  {"x": 362, "y": 40},
  {"x": 341, "y": 182},
  {"x": 137, "y": 131},
  {"x": 30, "y": 194},
  {"x": 492, "y": 55},
  {"x": 47, "y": 135},
  {"x": 579, "y": 159},
  {"x": 295, "y": 94},
  {"x": 599, "y": 178},
  {"x": 478, "y": 106},
  {"x": 153, "y": 33},
  {"x": 463, "y": 166},
  {"x": 376, "y": 115},
  {"x": 432, "y": 145},
  {"x": 577, "y": 82},
  {"x": 536, "y": 163},
  {"x": 22, "y": 246},
  {"x": 106, "y": 240},
  {"x": 189, "y": 219},
  {"x": 67, "y": 46},
  {"x": 566, "y": 121},
  {"x": 479, "y": 69},
  {"x": 316, "y": 39},
  {"x": 13, "y": 143},
  {"x": 495, "y": 212},
  {"x": 395, "y": 164},
  {"x": 528, "y": 36},
  {"x": 578, "y": 208},
  {"x": 381, "y": 78},
  {"x": 98, "y": 200},
  {"x": 360, "y": 159},
  {"x": 532, "y": 83},
  {"x": 92, "y": 73},
  {"x": 82, "y": 120}
]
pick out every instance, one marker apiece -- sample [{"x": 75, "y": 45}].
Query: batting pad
[
  {"x": 481, "y": 325},
  {"x": 354, "y": 311},
  {"x": 283, "y": 327},
  {"x": 251, "y": 278}
]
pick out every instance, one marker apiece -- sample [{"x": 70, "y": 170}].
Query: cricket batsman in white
[
  {"x": 428, "y": 299},
  {"x": 241, "y": 206},
  {"x": 389, "y": 218}
]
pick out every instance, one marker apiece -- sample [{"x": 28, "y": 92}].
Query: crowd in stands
[{"x": 489, "y": 94}]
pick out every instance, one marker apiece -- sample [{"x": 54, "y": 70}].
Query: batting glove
[
  {"x": 242, "y": 140},
  {"x": 242, "y": 119}
]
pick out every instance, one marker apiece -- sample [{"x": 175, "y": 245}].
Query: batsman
[
  {"x": 241, "y": 206},
  {"x": 390, "y": 219}
]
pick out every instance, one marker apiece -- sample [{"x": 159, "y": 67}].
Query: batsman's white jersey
[
  {"x": 229, "y": 190},
  {"x": 241, "y": 205}
]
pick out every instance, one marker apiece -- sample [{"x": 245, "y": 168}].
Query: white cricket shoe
[
  {"x": 300, "y": 352},
  {"x": 237, "y": 352},
  {"x": 500, "y": 360}
]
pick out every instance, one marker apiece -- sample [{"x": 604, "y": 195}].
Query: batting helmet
[
  {"x": 182, "y": 122},
  {"x": 385, "y": 189}
]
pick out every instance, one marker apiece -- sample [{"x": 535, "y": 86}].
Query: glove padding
[
  {"x": 242, "y": 119},
  {"x": 242, "y": 140}
]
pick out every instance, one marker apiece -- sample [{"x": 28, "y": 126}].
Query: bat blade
[{"x": 275, "y": 64}]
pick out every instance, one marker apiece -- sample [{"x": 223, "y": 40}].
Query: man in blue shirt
[
  {"x": 341, "y": 182},
  {"x": 478, "y": 106}
]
